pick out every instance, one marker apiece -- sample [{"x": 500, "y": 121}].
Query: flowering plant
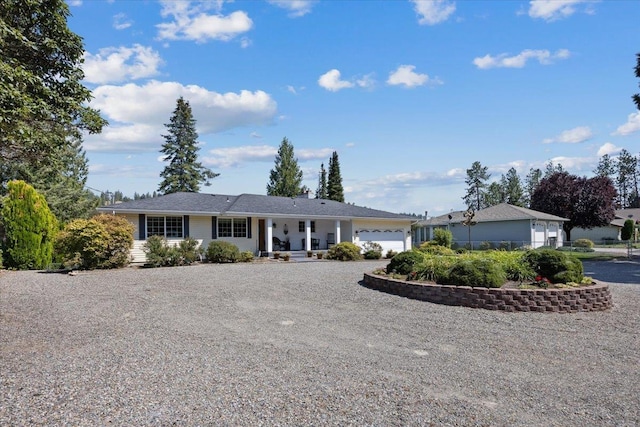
[{"x": 542, "y": 282}]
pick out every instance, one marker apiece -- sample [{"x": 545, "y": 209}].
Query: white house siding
[
  {"x": 394, "y": 236},
  {"x": 597, "y": 234}
]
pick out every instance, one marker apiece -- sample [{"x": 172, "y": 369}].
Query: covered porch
[{"x": 295, "y": 234}]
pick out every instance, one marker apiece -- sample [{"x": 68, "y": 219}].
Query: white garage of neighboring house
[{"x": 261, "y": 224}]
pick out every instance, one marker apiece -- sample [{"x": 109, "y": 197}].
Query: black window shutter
[
  {"x": 214, "y": 227},
  {"x": 142, "y": 227},
  {"x": 248, "y": 227},
  {"x": 185, "y": 225}
]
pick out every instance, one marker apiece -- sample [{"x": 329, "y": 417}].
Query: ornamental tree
[
  {"x": 29, "y": 227},
  {"x": 586, "y": 203}
]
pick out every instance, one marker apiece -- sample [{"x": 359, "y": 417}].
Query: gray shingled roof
[
  {"x": 248, "y": 205},
  {"x": 624, "y": 214},
  {"x": 501, "y": 212}
]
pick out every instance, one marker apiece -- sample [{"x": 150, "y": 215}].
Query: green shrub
[
  {"x": 344, "y": 251},
  {"x": 627, "y": 230},
  {"x": 390, "y": 254},
  {"x": 433, "y": 268},
  {"x": 187, "y": 251},
  {"x": 0, "y": 258},
  {"x": 485, "y": 246},
  {"x": 245, "y": 256},
  {"x": 405, "y": 262},
  {"x": 29, "y": 227},
  {"x": 443, "y": 237},
  {"x": 435, "y": 249},
  {"x": 505, "y": 246},
  {"x": 222, "y": 252},
  {"x": 554, "y": 265},
  {"x": 103, "y": 241},
  {"x": 372, "y": 250},
  {"x": 583, "y": 243},
  {"x": 157, "y": 251},
  {"x": 477, "y": 272}
]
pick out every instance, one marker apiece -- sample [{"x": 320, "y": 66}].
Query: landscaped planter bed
[{"x": 571, "y": 300}]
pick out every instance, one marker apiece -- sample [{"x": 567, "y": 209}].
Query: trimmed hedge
[{"x": 476, "y": 272}]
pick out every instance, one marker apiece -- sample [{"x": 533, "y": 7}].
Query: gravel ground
[{"x": 300, "y": 344}]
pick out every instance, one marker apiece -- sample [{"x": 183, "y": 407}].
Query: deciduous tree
[
  {"x": 184, "y": 172},
  {"x": 285, "y": 179},
  {"x": 586, "y": 203}
]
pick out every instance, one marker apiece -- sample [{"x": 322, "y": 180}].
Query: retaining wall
[{"x": 571, "y": 300}]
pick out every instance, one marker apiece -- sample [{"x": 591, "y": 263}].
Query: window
[
  {"x": 224, "y": 227},
  {"x": 169, "y": 226},
  {"x": 302, "y": 228},
  {"x": 232, "y": 227}
]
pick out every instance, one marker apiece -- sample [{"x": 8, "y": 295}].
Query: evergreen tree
[
  {"x": 321, "y": 192},
  {"x": 43, "y": 104},
  {"x": 29, "y": 227},
  {"x": 512, "y": 186},
  {"x": 285, "y": 179},
  {"x": 552, "y": 168},
  {"x": 626, "y": 172},
  {"x": 335, "y": 191},
  {"x": 531, "y": 181},
  {"x": 606, "y": 167},
  {"x": 494, "y": 194},
  {"x": 184, "y": 172},
  {"x": 477, "y": 177}
]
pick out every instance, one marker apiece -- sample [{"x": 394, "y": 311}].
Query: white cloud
[
  {"x": 544, "y": 57},
  {"x": 116, "y": 64},
  {"x": 367, "y": 81},
  {"x": 235, "y": 156},
  {"x": 551, "y": 10},
  {"x": 75, "y": 2},
  {"x": 245, "y": 42},
  {"x": 192, "y": 22},
  {"x": 255, "y": 135},
  {"x": 405, "y": 76},
  {"x": 296, "y": 8},
  {"x": 572, "y": 136},
  {"x": 121, "y": 22},
  {"x": 137, "y": 113},
  {"x": 331, "y": 81},
  {"x": 433, "y": 12},
  {"x": 632, "y": 125},
  {"x": 608, "y": 148}
]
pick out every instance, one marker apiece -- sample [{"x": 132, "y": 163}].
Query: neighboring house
[
  {"x": 261, "y": 224},
  {"x": 498, "y": 225},
  {"x": 607, "y": 232}
]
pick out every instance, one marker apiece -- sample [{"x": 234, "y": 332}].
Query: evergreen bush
[
  {"x": 627, "y": 230},
  {"x": 372, "y": 250},
  {"x": 556, "y": 266},
  {"x": 246, "y": 256},
  {"x": 433, "y": 248},
  {"x": 222, "y": 252},
  {"x": 475, "y": 272},
  {"x": 405, "y": 262},
  {"x": 583, "y": 243},
  {"x": 30, "y": 227},
  {"x": 344, "y": 251}
]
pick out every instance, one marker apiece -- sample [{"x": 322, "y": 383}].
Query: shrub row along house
[{"x": 261, "y": 224}]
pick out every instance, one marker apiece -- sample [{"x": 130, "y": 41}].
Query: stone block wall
[{"x": 571, "y": 300}]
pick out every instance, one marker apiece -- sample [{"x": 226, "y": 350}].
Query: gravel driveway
[{"x": 300, "y": 344}]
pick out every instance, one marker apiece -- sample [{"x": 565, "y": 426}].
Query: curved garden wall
[{"x": 570, "y": 300}]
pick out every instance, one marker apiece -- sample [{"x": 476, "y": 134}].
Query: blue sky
[{"x": 409, "y": 93}]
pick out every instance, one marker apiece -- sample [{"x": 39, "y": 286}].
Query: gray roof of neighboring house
[
  {"x": 624, "y": 214},
  {"x": 501, "y": 212},
  {"x": 247, "y": 205}
]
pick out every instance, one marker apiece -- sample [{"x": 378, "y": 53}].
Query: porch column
[
  {"x": 307, "y": 240},
  {"x": 546, "y": 233},
  {"x": 337, "y": 232},
  {"x": 269, "y": 235}
]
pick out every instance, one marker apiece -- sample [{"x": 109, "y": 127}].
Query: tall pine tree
[
  {"x": 285, "y": 179},
  {"x": 477, "y": 177},
  {"x": 184, "y": 172},
  {"x": 321, "y": 192},
  {"x": 335, "y": 191}
]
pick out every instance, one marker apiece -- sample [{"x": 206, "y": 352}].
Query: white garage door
[
  {"x": 538, "y": 236},
  {"x": 388, "y": 239}
]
